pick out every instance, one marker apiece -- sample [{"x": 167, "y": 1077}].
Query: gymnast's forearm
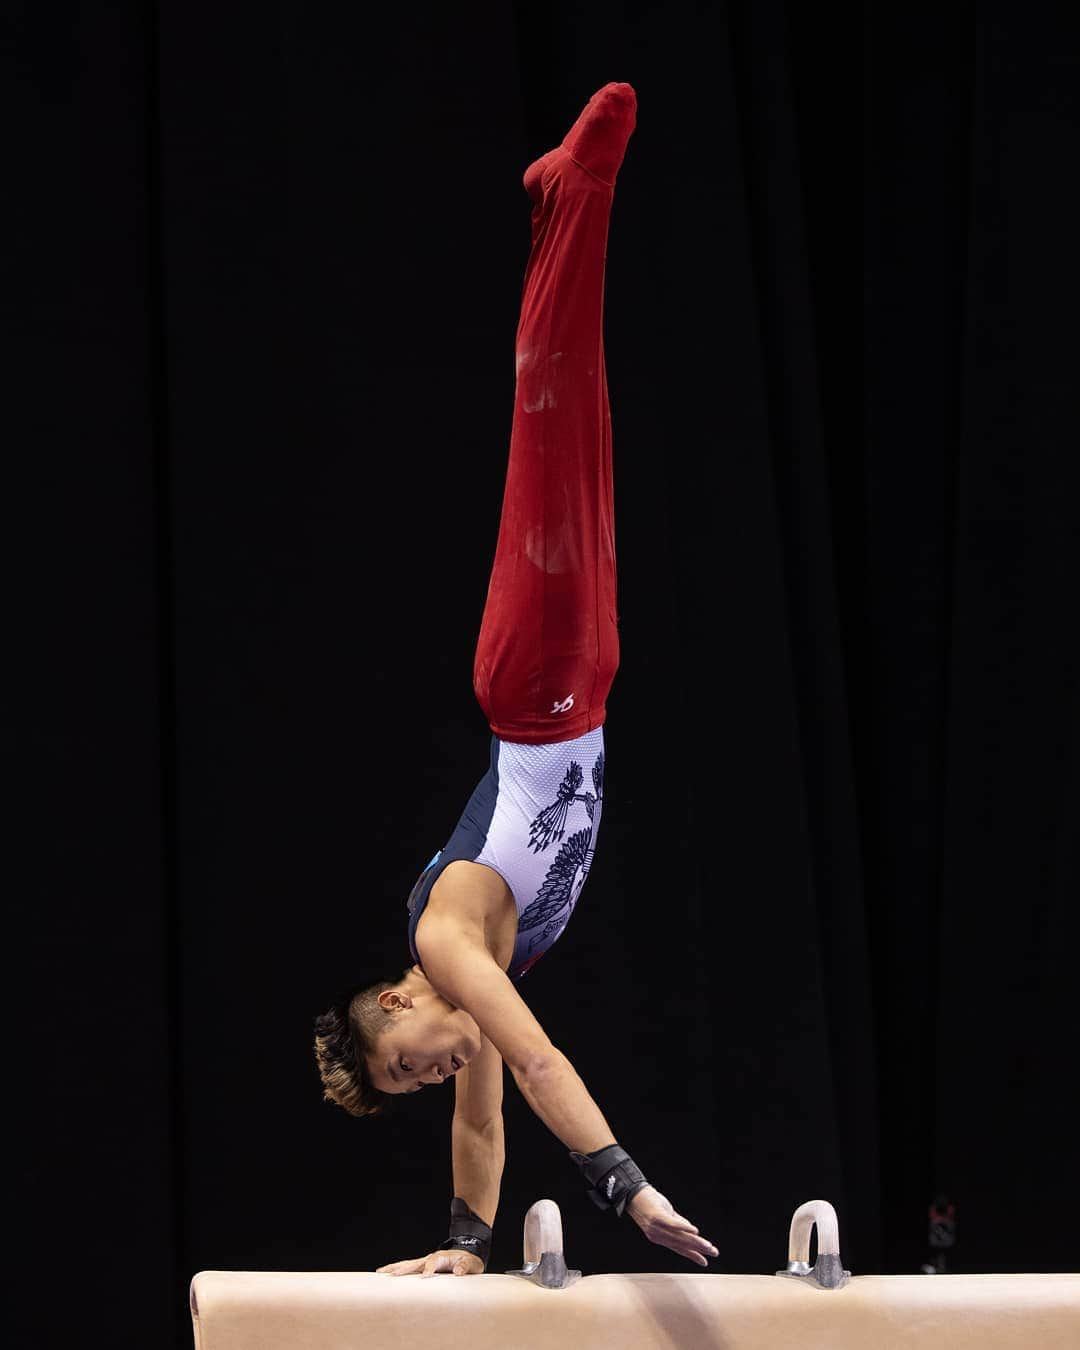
[
  {"x": 479, "y": 1153},
  {"x": 555, "y": 1092}
]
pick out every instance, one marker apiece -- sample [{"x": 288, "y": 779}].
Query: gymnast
[{"x": 495, "y": 898}]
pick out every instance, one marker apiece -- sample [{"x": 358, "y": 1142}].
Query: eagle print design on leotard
[
  {"x": 561, "y": 888},
  {"x": 567, "y": 873},
  {"x": 533, "y": 821},
  {"x": 549, "y": 825}
]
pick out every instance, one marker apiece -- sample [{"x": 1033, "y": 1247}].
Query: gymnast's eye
[{"x": 405, "y": 1067}]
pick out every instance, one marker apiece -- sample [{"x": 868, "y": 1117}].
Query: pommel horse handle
[
  {"x": 827, "y": 1271},
  {"x": 544, "y": 1263}
]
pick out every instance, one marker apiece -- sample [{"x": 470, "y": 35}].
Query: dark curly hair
[{"x": 344, "y": 1035}]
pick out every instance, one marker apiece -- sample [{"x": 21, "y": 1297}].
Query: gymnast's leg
[{"x": 548, "y": 646}]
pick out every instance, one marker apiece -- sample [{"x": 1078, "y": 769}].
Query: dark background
[{"x": 260, "y": 301}]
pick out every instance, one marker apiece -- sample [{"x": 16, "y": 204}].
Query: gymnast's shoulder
[
  {"x": 456, "y": 955},
  {"x": 470, "y": 901}
]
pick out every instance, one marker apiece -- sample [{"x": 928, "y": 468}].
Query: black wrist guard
[
  {"x": 612, "y": 1175},
  {"x": 468, "y": 1232}
]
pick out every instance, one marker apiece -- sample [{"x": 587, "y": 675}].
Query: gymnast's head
[{"x": 390, "y": 1037}]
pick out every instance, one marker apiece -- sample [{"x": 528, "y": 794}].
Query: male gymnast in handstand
[{"x": 496, "y": 897}]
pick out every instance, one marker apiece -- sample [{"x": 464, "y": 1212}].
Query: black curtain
[{"x": 262, "y": 285}]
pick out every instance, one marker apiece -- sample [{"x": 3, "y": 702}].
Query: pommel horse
[{"x": 543, "y": 1305}]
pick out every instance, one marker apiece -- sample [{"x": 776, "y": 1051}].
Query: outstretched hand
[
  {"x": 654, "y": 1215},
  {"x": 451, "y": 1261}
]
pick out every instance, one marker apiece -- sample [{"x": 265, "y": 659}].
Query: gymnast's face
[{"x": 426, "y": 1042}]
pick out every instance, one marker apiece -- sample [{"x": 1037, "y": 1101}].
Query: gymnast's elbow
[
  {"x": 539, "y": 1065},
  {"x": 489, "y": 1129}
]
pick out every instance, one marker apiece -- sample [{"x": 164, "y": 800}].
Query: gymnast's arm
[
  {"x": 478, "y": 1154},
  {"x": 458, "y": 963},
  {"x": 477, "y": 1140}
]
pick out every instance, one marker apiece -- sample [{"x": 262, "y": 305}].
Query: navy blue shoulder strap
[{"x": 467, "y": 842}]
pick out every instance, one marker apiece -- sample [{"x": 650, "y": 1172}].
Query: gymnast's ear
[
  {"x": 393, "y": 1000},
  {"x": 344, "y": 1036}
]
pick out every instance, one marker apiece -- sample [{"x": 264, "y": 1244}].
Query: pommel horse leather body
[{"x": 255, "y": 1310}]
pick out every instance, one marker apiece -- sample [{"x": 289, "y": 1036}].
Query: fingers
[
  {"x": 657, "y": 1218},
  {"x": 681, "y": 1236},
  {"x": 696, "y": 1248},
  {"x": 401, "y": 1267},
  {"x": 453, "y": 1262},
  {"x": 449, "y": 1261},
  {"x": 683, "y": 1225},
  {"x": 424, "y": 1265},
  {"x": 699, "y": 1251}
]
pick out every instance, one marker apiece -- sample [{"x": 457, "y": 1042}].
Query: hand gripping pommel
[{"x": 612, "y": 1176}]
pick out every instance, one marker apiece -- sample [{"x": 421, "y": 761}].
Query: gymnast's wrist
[
  {"x": 612, "y": 1178},
  {"x": 468, "y": 1232}
]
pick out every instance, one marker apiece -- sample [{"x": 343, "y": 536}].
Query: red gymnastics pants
[{"x": 549, "y": 643}]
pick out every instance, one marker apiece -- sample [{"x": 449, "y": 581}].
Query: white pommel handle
[
  {"x": 827, "y": 1272},
  {"x": 817, "y": 1214},
  {"x": 545, "y": 1264},
  {"x": 543, "y": 1231}
]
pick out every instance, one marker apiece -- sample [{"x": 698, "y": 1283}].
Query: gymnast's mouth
[{"x": 455, "y": 1063}]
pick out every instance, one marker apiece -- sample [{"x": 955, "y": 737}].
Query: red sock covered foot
[{"x": 598, "y": 138}]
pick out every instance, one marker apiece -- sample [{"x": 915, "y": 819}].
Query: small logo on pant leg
[{"x": 564, "y": 706}]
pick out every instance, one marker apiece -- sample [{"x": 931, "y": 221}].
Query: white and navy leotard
[{"x": 533, "y": 818}]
